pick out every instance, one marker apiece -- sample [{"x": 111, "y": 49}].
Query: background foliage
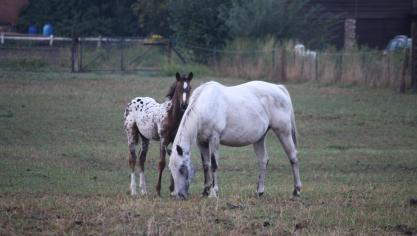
[
  {"x": 82, "y": 18},
  {"x": 209, "y": 24},
  {"x": 283, "y": 20}
]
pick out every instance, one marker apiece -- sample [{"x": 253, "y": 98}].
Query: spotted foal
[{"x": 145, "y": 120}]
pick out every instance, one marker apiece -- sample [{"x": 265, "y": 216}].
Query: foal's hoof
[
  {"x": 213, "y": 194},
  {"x": 206, "y": 192}
]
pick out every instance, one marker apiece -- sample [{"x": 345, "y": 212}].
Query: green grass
[{"x": 64, "y": 170}]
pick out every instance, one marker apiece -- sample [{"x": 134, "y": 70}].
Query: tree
[
  {"x": 152, "y": 16},
  {"x": 82, "y": 18},
  {"x": 282, "y": 19},
  {"x": 198, "y": 22}
]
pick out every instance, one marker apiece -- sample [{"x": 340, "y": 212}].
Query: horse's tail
[
  {"x": 129, "y": 125},
  {"x": 293, "y": 126}
]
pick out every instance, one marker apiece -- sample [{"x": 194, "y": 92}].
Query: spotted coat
[{"x": 147, "y": 115}]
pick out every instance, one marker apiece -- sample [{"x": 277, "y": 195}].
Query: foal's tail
[{"x": 129, "y": 125}]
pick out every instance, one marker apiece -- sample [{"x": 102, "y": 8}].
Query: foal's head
[{"x": 182, "y": 91}]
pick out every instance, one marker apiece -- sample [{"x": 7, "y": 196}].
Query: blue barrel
[
  {"x": 32, "y": 29},
  {"x": 47, "y": 30}
]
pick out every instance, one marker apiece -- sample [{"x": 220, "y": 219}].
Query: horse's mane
[
  {"x": 171, "y": 91},
  {"x": 191, "y": 114}
]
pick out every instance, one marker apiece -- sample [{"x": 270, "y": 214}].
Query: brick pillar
[{"x": 350, "y": 33}]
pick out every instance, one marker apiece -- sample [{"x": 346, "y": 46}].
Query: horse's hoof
[
  {"x": 206, "y": 192},
  {"x": 213, "y": 194},
  {"x": 259, "y": 194},
  {"x": 296, "y": 193},
  {"x": 133, "y": 193}
]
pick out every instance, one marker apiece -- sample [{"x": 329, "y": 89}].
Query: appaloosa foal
[{"x": 145, "y": 119}]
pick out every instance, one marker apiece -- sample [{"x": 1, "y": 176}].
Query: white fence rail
[{"x": 4, "y": 37}]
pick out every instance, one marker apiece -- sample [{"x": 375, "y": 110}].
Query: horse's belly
[{"x": 242, "y": 136}]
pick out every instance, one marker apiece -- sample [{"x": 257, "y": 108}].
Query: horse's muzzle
[{"x": 182, "y": 195}]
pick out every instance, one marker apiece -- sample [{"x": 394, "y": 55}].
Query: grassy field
[{"x": 64, "y": 170}]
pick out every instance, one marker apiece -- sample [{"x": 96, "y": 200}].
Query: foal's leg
[
  {"x": 142, "y": 159},
  {"x": 288, "y": 144},
  {"x": 132, "y": 163},
  {"x": 263, "y": 159},
  {"x": 132, "y": 140},
  {"x": 162, "y": 163}
]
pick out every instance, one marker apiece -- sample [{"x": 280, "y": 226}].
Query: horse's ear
[
  {"x": 179, "y": 150},
  {"x": 178, "y": 76},
  {"x": 190, "y": 76}
]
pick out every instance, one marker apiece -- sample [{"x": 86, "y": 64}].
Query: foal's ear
[
  {"x": 179, "y": 150},
  {"x": 178, "y": 76},
  {"x": 190, "y": 76}
]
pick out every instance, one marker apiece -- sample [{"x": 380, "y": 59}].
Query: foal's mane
[
  {"x": 191, "y": 114},
  {"x": 171, "y": 91}
]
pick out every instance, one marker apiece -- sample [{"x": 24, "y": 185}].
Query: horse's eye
[{"x": 184, "y": 171}]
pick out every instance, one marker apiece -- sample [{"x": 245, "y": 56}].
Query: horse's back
[
  {"x": 145, "y": 113},
  {"x": 242, "y": 114}
]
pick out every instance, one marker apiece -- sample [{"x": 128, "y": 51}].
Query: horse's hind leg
[
  {"x": 132, "y": 140},
  {"x": 289, "y": 146},
  {"x": 162, "y": 164},
  {"x": 263, "y": 159},
  {"x": 142, "y": 159}
]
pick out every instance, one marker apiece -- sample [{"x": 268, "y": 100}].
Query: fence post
[
  {"x": 121, "y": 55},
  {"x": 273, "y": 61},
  {"x": 81, "y": 54},
  {"x": 414, "y": 47},
  {"x": 284, "y": 64},
  {"x": 388, "y": 66},
  {"x": 316, "y": 68},
  {"x": 340, "y": 67},
  {"x": 51, "y": 40},
  {"x": 215, "y": 58},
  {"x": 169, "y": 51},
  {"x": 75, "y": 55},
  {"x": 404, "y": 70}
]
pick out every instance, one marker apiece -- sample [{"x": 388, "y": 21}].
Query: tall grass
[
  {"x": 269, "y": 59},
  {"x": 266, "y": 59}
]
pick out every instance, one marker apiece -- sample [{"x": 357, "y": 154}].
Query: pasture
[{"x": 64, "y": 169}]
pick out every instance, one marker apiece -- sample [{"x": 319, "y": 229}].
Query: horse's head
[
  {"x": 183, "y": 89},
  {"x": 182, "y": 171}
]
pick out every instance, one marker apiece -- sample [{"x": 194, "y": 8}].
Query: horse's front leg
[
  {"x": 214, "y": 160},
  {"x": 263, "y": 159},
  {"x": 162, "y": 164},
  {"x": 205, "y": 160}
]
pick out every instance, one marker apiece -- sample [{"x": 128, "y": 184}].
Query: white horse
[{"x": 232, "y": 116}]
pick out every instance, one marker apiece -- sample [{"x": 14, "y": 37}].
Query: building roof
[{"x": 9, "y": 11}]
